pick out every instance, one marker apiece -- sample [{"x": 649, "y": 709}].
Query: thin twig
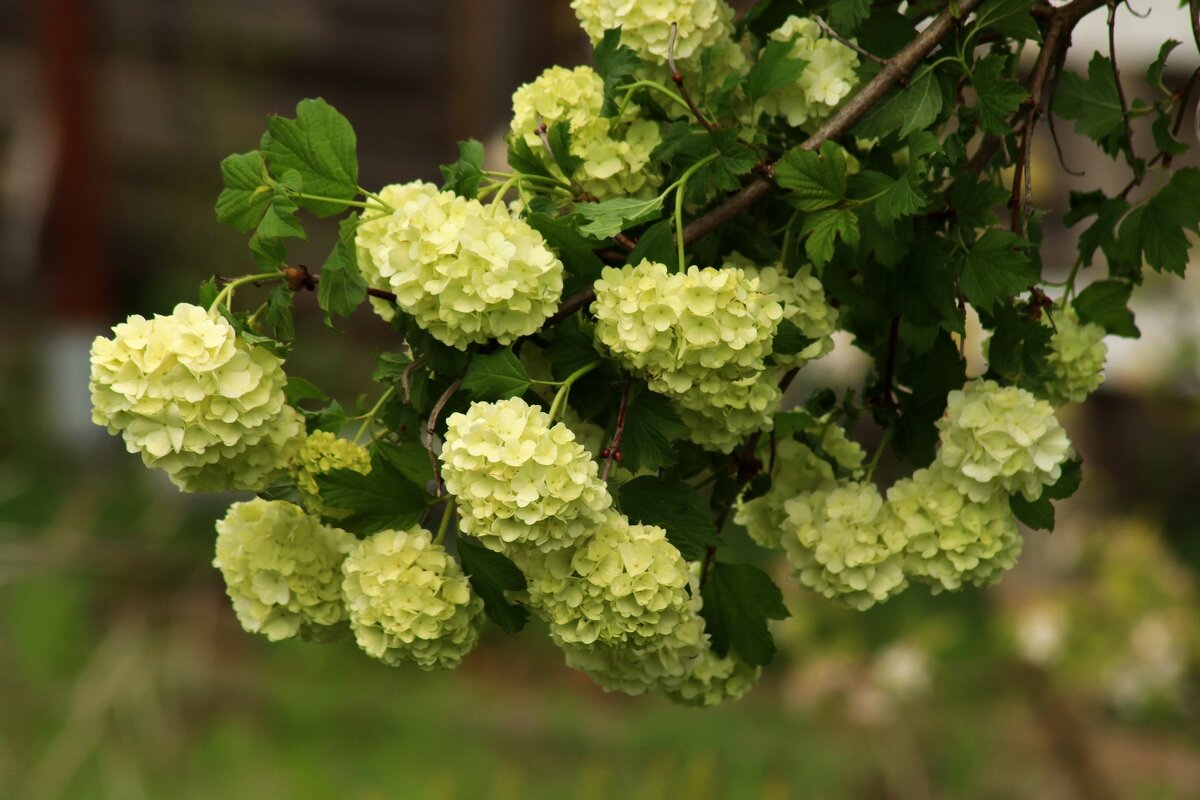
[
  {"x": 1183, "y": 95},
  {"x": 889, "y": 363},
  {"x": 613, "y": 451},
  {"x": 832, "y": 34},
  {"x": 431, "y": 426},
  {"x": 1194, "y": 13},
  {"x": 571, "y": 305},
  {"x": 677, "y": 77},
  {"x": 406, "y": 378},
  {"x": 1112, "y": 57}
]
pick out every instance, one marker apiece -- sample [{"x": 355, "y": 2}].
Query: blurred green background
[{"x": 123, "y": 673}]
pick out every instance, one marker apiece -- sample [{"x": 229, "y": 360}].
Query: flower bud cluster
[
  {"x": 615, "y": 154},
  {"x": 1076, "y": 358},
  {"x": 409, "y": 601},
  {"x": 321, "y": 453},
  {"x": 828, "y": 77},
  {"x": 646, "y": 27},
  {"x": 282, "y": 568},
  {"x": 466, "y": 272},
  {"x": 997, "y": 438},
  {"x": 193, "y": 399},
  {"x": 700, "y": 337},
  {"x": 520, "y": 480}
]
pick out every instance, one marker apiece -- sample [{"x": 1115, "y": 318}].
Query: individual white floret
[
  {"x": 282, "y": 568},
  {"x": 843, "y": 542},
  {"x": 521, "y": 481},
  {"x": 409, "y": 601},
  {"x": 467, "y": 273},
  {"x": 997, "y": 438},
  {"x": 950, "y": 539},
  {"x": 187, "y": 394}
]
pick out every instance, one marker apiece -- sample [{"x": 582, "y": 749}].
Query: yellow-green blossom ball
[
  {"x": 843, "y": 542},
  {"x": 950, "y": 539},
  {"x": 997, "y": 438},
  {"x": 615, "y": 153},
  {"x": 828, "y": 78},
  {"x": 625, "y": 583},
  {"x": 1076, "y": 359},
  {"x": 185, "y": 392},
  {"x": 409, "y": 601},
  {"x": 282, "y": 568},
  {"x": 321, "y": 453},
  {"x": 251, "y": 465},
  {"x": 467, "y": 273},
  {"x": 797, "y": 470},
  {"x": 646, "y": 26},
  {"x": 804, "y": 305},
  {"x": 520, "y": 480},
  {"x": 718, "y": 415}
]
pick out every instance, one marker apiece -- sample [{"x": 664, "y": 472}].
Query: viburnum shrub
[{"x": 683, "y": 228}]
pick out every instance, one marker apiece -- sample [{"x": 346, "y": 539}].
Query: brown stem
[
  {"x": 431, "y": 426},
  {"x": 677, "y": 77},
  {"x": 832, "y": 34},
  {"x": 1194, "y": 13},
  {"x": 613, "y": 451},
  {"x": 1112, "y": 57},
  {"x": 1162, "y": 155},
  {"x": 889, "y": 363}
]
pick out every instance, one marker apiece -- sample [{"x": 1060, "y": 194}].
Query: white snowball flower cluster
[
  {"x": 646, "y": 26},
  {"x": 193, "y": 399},
  {"x": 844, "y": 542},
  {"x": 466, "y": 272},
  {"x": 282, "y": 568},
  {"x": 321, "y": 453},
  {"x": 798, "y": 470},
  {"x": 1076, "y": 358},
  {"x": 804, "y": 305},
  {"x": 409, "y": 601},
  {"x": 680, "y": 665},
  {"x": 1000, "y": 438},
  {"x": 700, "y": 337},
  {"x": 951, "y": 540},
  {"x": 615, "y": 153},
  {"x": 625, "y": 583},
  {"x": 828, "y": 77},
  {"x": 521, "y": 481}
]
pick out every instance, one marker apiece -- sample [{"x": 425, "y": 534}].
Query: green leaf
[
  {"x": 675, "y": 507},
  {"x": 650, "y": 425},
  {"x": 817, "y": 180},
  {"x": 342, "y": 288},
  {"x": 379, "y": 500},
  {"x": 789, "y": 339},
  {"x": 774, "y": 69},
  {"x": 491, "y": 575},
  {"x": 1067, "y": 483},
  {"x": 974, "y": 202},
  {"x": 268, "y": 254},
  {"x": 609, "y": 217},
  {"x": 573, "y": 346},
  {"x": 1171, "y": 212},
  {"x": 332, "y": 418},
  {"x": 1154, "y": 73},
  {"x": 298, "y": 389},
  {"x": 902, "y": 197},
  {"x": 738, "y": 601},
  {"x": 279, "y": 220},
  {"x": 908, "y": 110},
  {"x": 1093, "y": 103},
  {"x": 208, "y": 292},
  {"x": 496, "y": 376},
  {"x": 656, "y": 244},
  {"x": 524, "y": 160},
  {"x": 823, "y": 227},
  {"x": 320, "y": 145},
  {"x": 1009, "y": 17},
  {"x": 999, "y": 95},
  {"x": 463, "y": 176},
  {"x": 247, "y": 192},
  {"x": 616, "y": 65},
  {"x": 1019, "y": 348},
  {"x": 1106, "y": 303},
  {"x": 722, "y": 174},
  {"x": 1037, "y": 514},
  {"x": 575, "y": 251},
  {"x": 789, "y": 423},
  {"x": 409, "y": 459},
  {"x": 1101, "y": 233},
  {"x": 559, "y": 137},
  {"x": 279, "y": 313},
  {"x": 846, "y": 15},
  {"x": 997, "y": 267}
]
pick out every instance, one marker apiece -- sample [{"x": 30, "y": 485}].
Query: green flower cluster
[
  {"x": 321, "y": 453},
  {"x": 804, "y": 305},
  {"x": 408, "y": 601},
  {"x": 625, "y": 583},
  {"x": 282, "y": 568},
  {"x": 615, "y": 154},
  {"x": 466, "y": 272},
  {"x": 646, "y": 27},
  {"x": 195, "y": 400},
  {"x": 997, "y": 438},
  {"x": 521, "y": 481},
  {"x": 828, "y": 77},
  {"x": 700, "y": 337},
  {"x": 1076, "y": 358}
]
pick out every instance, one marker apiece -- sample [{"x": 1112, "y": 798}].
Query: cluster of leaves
[{"x": 900, "y": 216}]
